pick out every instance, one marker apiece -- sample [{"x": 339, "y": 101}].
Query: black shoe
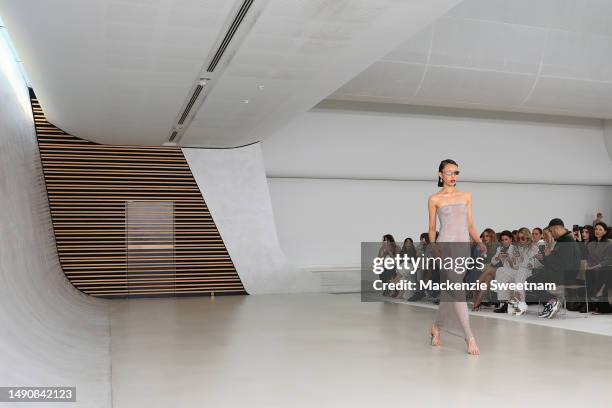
[
  {"x": 575, "y": 306},
  {"x": 503, "y": 308},
  {"x": 417, "y": 296}
]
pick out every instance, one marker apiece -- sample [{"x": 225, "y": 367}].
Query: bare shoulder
[
  {"x": 434, "y": 198},
  {"x": 467, "y": 195}
]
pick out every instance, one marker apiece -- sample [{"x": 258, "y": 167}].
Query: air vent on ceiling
[
  {"x": 194, "y": 97},
  {"x": 244, "y": 8},
  {"x": 189, "y": 110}
]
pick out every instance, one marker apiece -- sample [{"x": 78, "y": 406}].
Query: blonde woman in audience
[
  {"x": 549, "y": 241},
  {"x": 525, "y": 262}
]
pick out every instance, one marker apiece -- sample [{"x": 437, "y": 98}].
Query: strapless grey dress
[{"x": 454, "y": 241}]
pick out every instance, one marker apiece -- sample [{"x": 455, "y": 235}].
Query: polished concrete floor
[{"x": 324, "y": 350}]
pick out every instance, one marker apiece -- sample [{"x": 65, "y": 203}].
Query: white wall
[
  {"x": 409, "y": 144},
  {"x": 340, "y": 177},
  {"x": 322, "y": 222},
  {"x": 233, "y": 183},
  {"x": 50, "y": 333}
]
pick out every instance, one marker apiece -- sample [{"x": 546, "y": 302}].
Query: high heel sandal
[
  {"x": 476, "y": 307},
  {"x": 475, "y": 351}
]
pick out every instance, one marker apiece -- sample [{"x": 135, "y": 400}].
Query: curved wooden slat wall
[{"x": 88, "y": 185}]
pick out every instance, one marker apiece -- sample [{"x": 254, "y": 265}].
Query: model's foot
[
  {"x": 435, "y": 336},
  {"x": 476, "y": 307},
  {"x": 472, "y": 347}
]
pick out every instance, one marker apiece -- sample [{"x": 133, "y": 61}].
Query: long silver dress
[{"x": 454, "y": 241}]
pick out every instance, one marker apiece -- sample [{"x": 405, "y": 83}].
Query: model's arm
[{"x": 431, "y": 206}]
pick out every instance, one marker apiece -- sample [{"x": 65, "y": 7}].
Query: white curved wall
[
  {"x": 51, "y": 334},
  {"x": 340, "y": 177},
  {"x": 233, "y": 183}
]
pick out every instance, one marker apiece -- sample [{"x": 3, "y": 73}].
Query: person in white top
[{"x": 517, "y": 267}]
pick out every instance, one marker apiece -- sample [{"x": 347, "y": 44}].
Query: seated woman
[
  {"x": 388, "y": 249},
  {"x": 495, "y": 261},
  {"x": 408, "y": 248},
  {"x": 423, "y": 249},
  {"x": 410, "y": 251},
  {"x": 508, "y": 259},
  {"x": 523, "y": 261},
  {"x": 489, "y": 239},
  {"x": 599, "y": 268}
]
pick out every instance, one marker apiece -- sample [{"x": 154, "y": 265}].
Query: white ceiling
[
  {"x": 541, "y": 56},
  {"x": 119, "y": 71}
]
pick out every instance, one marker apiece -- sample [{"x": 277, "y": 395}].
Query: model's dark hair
[
  {"x": 506, "y": 233},
  {"x": 443, "y": 163}
]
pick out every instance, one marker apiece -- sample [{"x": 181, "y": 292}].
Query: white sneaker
[
  {"x": 521, "y": 308},
  {"x": 554, "y": 310}
]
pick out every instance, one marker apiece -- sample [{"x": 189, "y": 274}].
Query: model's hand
[{"x": 539, "y": 257}]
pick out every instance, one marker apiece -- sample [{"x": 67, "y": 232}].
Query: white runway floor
[
  {"x": 588, "y": 323},
  {"x": 322, "y": 350}
]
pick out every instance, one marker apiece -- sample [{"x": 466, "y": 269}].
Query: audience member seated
[
  {"x": 598, "y": 218},
  {"x": 424, "y": 274},
  {"x": 518, "y": 263},
  {"x": 498, "y": 260},
  {"x": 388, "y": 249},
  {"x": 599, "y": 268},
  {"x": 560, "y": 266},
  {"x": 527, "y": 256},
  {"x": 409, "y": 250}
]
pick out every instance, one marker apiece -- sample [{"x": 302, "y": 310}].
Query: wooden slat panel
[{"x": 88, "y": 185}]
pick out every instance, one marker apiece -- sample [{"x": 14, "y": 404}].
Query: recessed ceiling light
[
  {"x": 261, "y": 87},
  {"x": 244, "y": 101}
]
